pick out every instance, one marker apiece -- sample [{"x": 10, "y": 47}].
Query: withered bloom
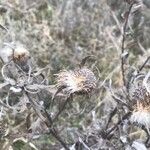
[
  {"x": 79, "y": 80},
  {"x": 141, "y": 108},
  {"x": 14, "y": 51},
  {"x": 20, "y": 54}
]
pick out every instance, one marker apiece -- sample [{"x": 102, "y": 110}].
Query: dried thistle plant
[
  {"x": 21, "y": 54},
  {"x": 66, "y": 25},
  {"x": 141, "y": 108},
  {"x": 78, "y": 80},
  {"x": 14, "y": 51}
]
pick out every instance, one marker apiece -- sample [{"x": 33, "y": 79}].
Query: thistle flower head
[
  {"x": 141, "y": 107},
  {"x": 15, "y": 51},
  {"x": 20, "y": 54},
  {"x": 79, "y": 80}
]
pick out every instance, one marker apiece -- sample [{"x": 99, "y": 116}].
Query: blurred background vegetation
[{"x": 60, "y": 33}]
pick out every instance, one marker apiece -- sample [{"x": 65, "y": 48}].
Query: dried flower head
[
  {"x": 141, "y": 108},
  {"x": 79, "y": 80},
  {"x": 14, "y": 51},
  {"x": 20, "y": 54}
]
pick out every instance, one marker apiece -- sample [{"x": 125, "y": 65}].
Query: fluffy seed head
[
  {"x": 79, "y": 80},
  {"x": 141, "y": 115},
  {"x": 141, "y": 108}
]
